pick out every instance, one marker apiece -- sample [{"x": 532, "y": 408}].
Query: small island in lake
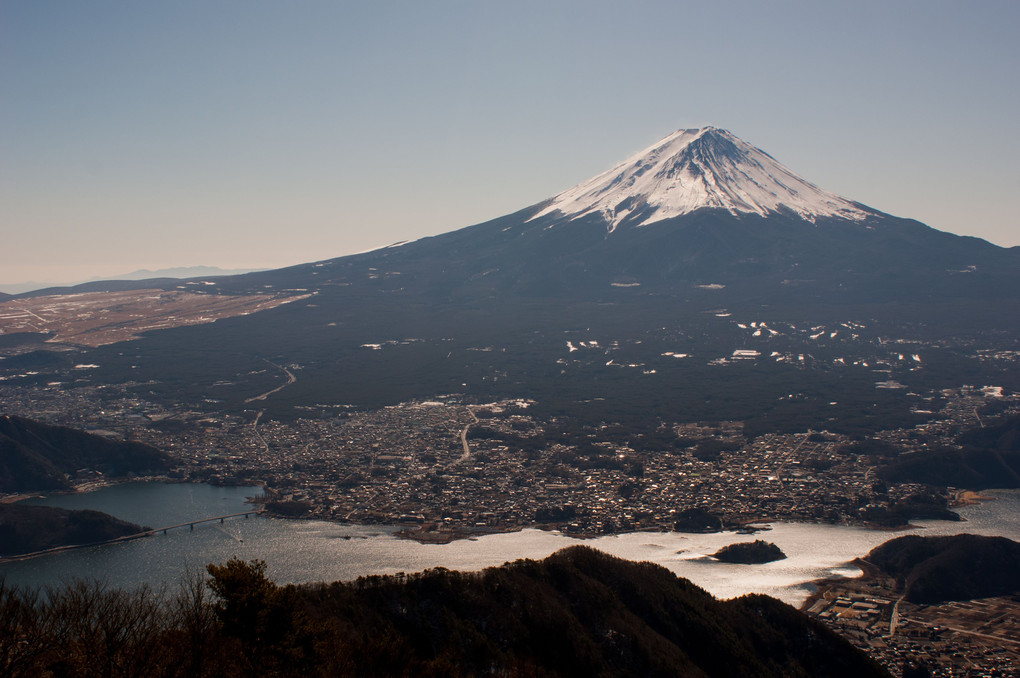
[{"x": 750, "y": 553}]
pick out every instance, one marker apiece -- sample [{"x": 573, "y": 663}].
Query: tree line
[{"x": 576, "y": 613}]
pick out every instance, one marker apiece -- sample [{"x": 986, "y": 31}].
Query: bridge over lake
[
  {"x": 137, "y": 535},
  {"x": 189, "y": 524}
]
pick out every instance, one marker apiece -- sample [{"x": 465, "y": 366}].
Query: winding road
[
  {"x": 463, "y": 438},
  {"x": 290, "y": 380}
]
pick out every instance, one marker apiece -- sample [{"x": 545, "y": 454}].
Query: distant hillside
[
  {"x": 962, "y": 567},
  {"x": 970, "y": 468},
  {"x": 36, "y": 456},
  {"x": 1001, "y": 437},
  {"x": 180, "y": 272},
  {"x": 24, "y": 529},
  {"x": 990, "y": 458},
  {"x": 177, "y": 272}
]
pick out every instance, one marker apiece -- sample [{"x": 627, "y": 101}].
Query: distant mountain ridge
[
  {"x": 179, "y": 272},
  {"x": 140, "y": 274}
]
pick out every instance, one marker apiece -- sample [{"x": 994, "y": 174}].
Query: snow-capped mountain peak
[{"x": 694, "y": 169}]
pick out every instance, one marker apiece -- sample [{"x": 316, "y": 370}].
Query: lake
[{"x": 298, "y": 551}]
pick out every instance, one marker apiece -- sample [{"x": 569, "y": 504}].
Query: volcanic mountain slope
[
  {"x": 593, "y": 294},
  {"x": 699, "y": 207}
]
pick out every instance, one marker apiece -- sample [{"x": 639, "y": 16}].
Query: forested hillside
[
  {"x": 577, "y": 613},
  {"x": 38, "y": 456},
  {"x": 962, "y": 567}
]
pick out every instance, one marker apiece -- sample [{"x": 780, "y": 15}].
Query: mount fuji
[
  {"x": 700, "y": 275},
  {"x": 701, "y": 207}
]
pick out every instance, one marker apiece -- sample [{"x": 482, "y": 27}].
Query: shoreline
[
  {"x": 72, "y": 547},
  {"x": 437, "y": 534},
  {"x": 145, "y": 532},
  {"x": 423, "y": 535},
  {"x": 93, "y": 485},
  {"x": 969, "y": 498},
  {"x": 823, "y": 585},
  {"x": 822, "y": 556},
  {"x": 81, "y": 488},
  {"x": 429, "y": 533}
]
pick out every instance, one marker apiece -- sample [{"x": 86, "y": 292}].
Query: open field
[{"x": 100, "y": 318}]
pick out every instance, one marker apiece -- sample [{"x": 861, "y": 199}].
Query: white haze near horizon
[
  {"x": 257, "y": 135},
  {"x": 180, "y": 272}
]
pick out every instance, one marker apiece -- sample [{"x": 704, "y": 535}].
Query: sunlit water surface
[{"x": 304, "y": 551}]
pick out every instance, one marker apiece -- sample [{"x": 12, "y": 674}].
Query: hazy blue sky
[{"x": 257, "y": 133}]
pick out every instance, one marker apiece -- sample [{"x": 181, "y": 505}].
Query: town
[
  {"x": 445, "y": 468},
  {"x": 979, "y": 638}
]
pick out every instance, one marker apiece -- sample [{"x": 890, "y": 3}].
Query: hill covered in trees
[
  {"x": 577, "y": 613},
  {"x": 750, "y": 552},
  {"x": 37, "y": 456},
  {"x": 24, "y": 529},
  {"x": 932, "y": 570},
  {"x": 987, "y": 457}
]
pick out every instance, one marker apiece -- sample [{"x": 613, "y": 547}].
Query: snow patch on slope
[{"x": 693, "y": 169}]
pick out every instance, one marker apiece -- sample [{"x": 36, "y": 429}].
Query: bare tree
[
  {"x": 23, "y": 637},
  {"x": 106, "y": 632}
]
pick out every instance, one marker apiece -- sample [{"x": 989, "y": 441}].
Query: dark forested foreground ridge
[
  {"x": 36, "y": 456},
  {"x": 577, "y": 613}
]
